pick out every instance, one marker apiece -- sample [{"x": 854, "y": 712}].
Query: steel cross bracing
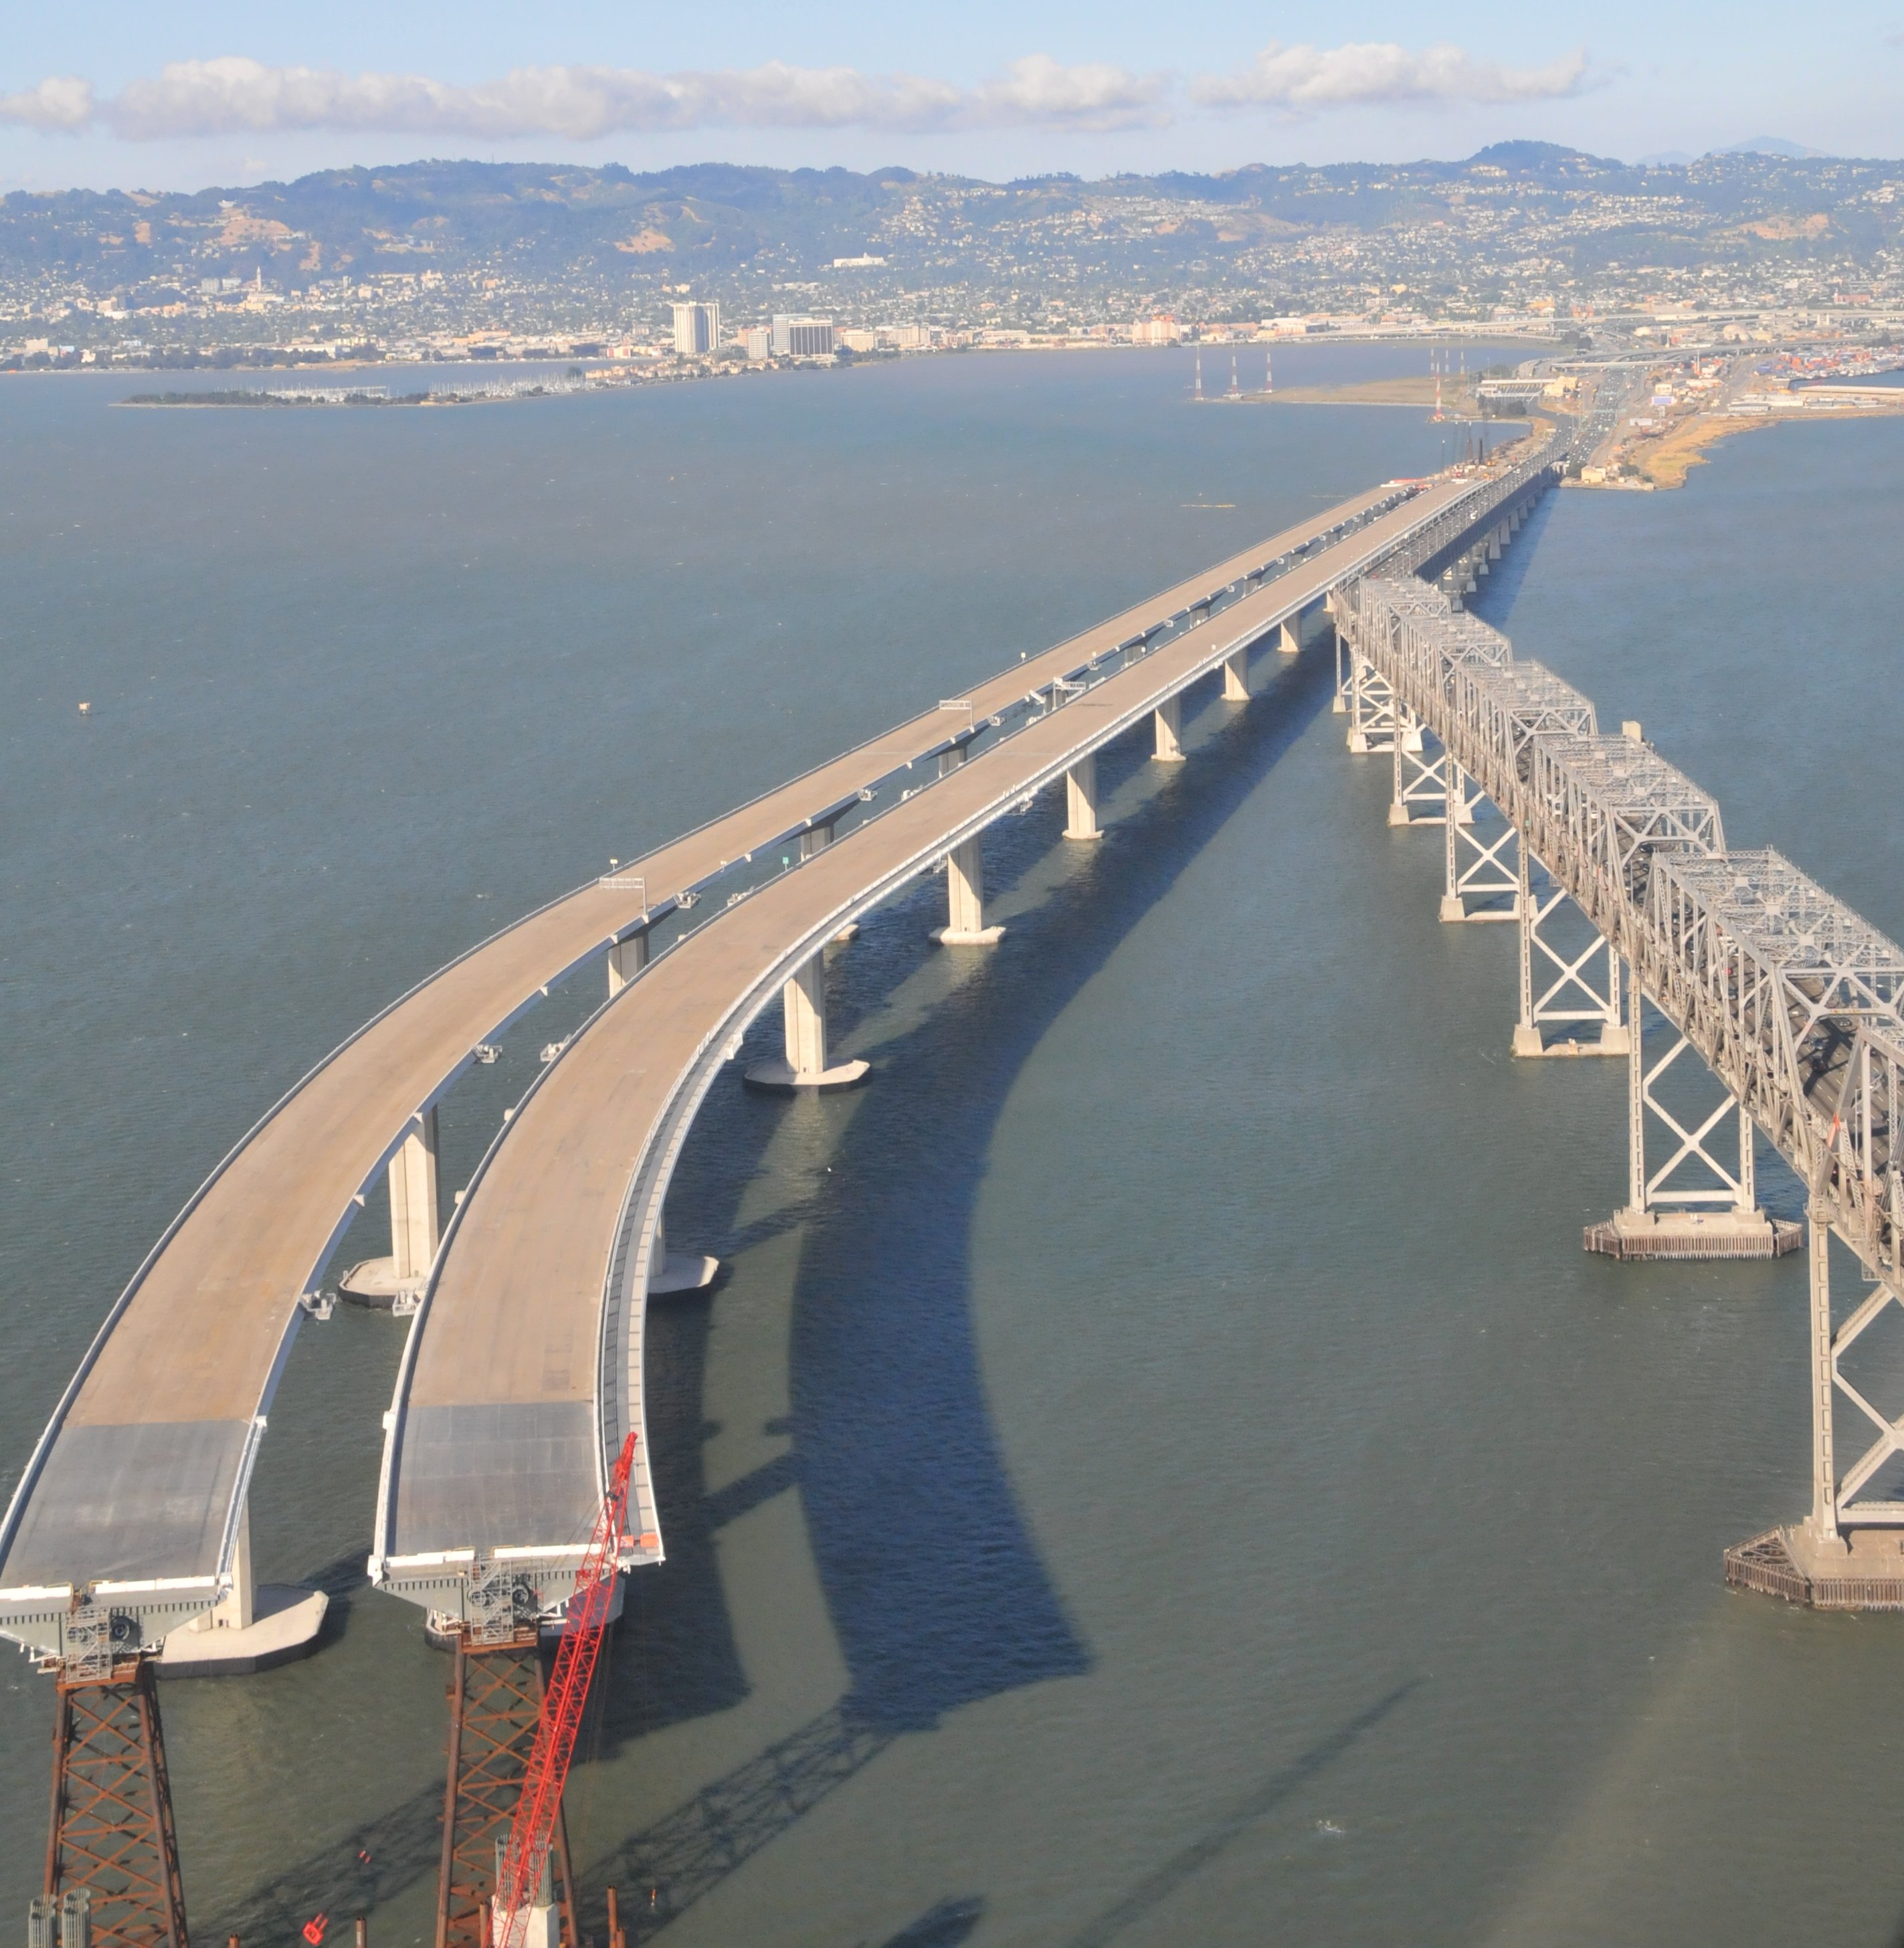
[
  {"x": 1803, "y": 1002},
  {"x": 111, "y": 1830},
  {"x": 1794, "y": 1002}
]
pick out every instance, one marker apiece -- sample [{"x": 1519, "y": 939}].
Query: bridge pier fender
[
  {"x": 1236, "y": 678},
  {"x": 965, "y": 894},
  {"x": 803, "y": 1006},
  {"x": 1080, "y": 798},
  {"x": 1169, "y": 718},
  {"x": 415, "y": 1228}
]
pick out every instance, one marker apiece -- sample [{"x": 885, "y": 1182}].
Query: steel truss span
[{"x": 1794, "y": 1002}]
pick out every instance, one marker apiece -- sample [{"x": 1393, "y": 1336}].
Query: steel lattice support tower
[
  {"x": 495, "y": 1705},
  {"x": 111, "y": 1828}
]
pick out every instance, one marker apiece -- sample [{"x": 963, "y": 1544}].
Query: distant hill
[{"x": 724, "y": 226}]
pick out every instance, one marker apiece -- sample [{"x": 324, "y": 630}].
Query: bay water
[{"x": 1158, "y": 1466}]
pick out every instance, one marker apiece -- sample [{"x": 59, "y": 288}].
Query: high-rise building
[
  {"x": 758, "y": 342},
  {"x": 697, "y": 329},
  {"x": 797, "y": 336}
]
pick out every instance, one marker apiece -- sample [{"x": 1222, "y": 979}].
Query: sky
[{"x": 232, "y": 91}]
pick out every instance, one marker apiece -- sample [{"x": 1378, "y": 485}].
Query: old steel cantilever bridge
[{"x": 124, "y": 1545}]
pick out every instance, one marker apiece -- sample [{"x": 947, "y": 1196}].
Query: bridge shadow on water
[{"x": 935, "y": 1590}]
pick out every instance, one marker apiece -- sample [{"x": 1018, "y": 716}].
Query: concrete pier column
[
  {"x": 626, "y": 959},
  {"x": 803, "y": 1008},
  {"x": 1236, "y": 678},
  {"x": 1080, "y": 798},
  {"x": 413, "y": 1227},
  {"x": 1170, "y": 732},
  {"x": 251, "y": 1627},
  {"x": 1494, "y": 544},
  {"x": 671, "y": 1272},
  {"x": 1288, "y": 637},
  {"x": 965, "y": 892}
]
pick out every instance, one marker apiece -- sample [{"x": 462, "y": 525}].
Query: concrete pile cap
[{"x": 1786, "y": 919}]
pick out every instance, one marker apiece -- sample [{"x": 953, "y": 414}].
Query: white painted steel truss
[{"x": 1794, "y": 1003}]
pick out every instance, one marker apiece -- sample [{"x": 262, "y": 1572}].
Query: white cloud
[
  {"x": 1304, "y": 79},
  {"x": 62, "y": 101},
  {"x": 234, "y": 95}
]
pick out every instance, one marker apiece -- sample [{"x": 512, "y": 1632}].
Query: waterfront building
[
  {"x": 796, "y": 335},
  {"x": 697, "y": 329},
  {"x": 758, "y": 341}
]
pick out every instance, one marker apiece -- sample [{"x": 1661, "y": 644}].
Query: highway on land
[
  {"x": 524, "y": 1368},
  {"x": 141, "y": 1475}
]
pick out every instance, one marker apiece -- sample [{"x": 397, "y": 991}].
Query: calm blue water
[{"x": 1160, "y": 1467}]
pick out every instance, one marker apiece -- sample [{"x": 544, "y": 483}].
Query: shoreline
[{"x": 1667, "y": 461}]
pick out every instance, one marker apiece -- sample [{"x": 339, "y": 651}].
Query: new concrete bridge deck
[
  {"x": 137, "y": 1488},
  {"x": 524, "y": 1368}
]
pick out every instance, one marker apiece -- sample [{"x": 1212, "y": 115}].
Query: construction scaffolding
[{"x": 111, "y": 1832}]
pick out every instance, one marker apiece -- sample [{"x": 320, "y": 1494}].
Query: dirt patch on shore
[
  {"x": 1414, "y": 391},
  {"x": 1668, "y": 460}
]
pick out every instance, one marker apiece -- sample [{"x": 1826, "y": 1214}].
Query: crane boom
[{"x": 532, "y": 1832}]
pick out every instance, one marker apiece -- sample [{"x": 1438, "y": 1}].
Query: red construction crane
[{"x": 533, "y": 1830}]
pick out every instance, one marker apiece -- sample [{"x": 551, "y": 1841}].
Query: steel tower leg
[
  {"x": 495, "y": 1699},
  {"x": 1582, "y": 982},
  {"x": 1825, "y": 1485},
  {"x": 111, "y": 1829}
]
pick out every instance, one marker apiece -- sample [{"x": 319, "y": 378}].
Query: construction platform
[
  {"x": 1693, "y": 1234},
  {"x": 1863, "y": 1571}
]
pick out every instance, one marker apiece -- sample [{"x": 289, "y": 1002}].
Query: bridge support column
[
  {"x": 1421, "y": 777},
  {"x": 965, "y": 893},
  {"x": 1169, "y": 717},
  {"x": 803, "y": 1006},
  {"x": 1236, "y": 678},
  {"x": 1288, "y": 637},
  {"x": 1081, "y": 799},
  {"x": 1486, "y": 877},
  {"x": 672, "y": 1272},
  {"x": 112, "y": 1827},
  {"x": 626, "y": 959},
  {"x": 414, "y": 1229},
  {"x": 1374, "y": 718},
  {"x": 1568, "y": 980},
  {"x": 495, "y": 1704},
  {"x": 1824, "y": 1364},
  {"x": 415, "y": 1226},
  {"x": 1714, "y": 1215}
]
